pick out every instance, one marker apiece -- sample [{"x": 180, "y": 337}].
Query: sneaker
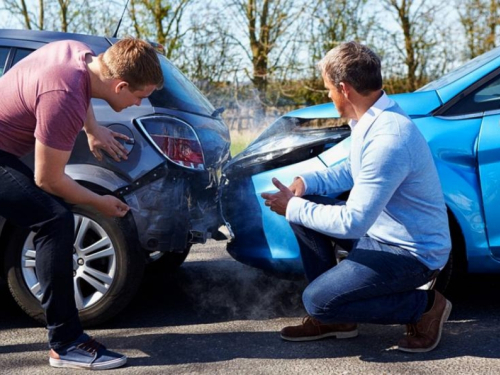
[
  {"x": 312, "y": 329},
  {"x": 86, "y": 353},
  {"x": 425, "y": 335}
]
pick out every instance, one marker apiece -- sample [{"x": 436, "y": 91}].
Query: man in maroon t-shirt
[{"x": 45, "y": 103}]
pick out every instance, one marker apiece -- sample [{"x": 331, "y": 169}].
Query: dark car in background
[{"x": 178, "y": 146}]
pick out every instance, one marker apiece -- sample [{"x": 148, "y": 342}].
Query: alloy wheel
[{"x": 94, "y": 263}]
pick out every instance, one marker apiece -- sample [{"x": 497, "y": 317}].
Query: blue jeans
[
  {"x": 376, "y": 283},
  {"x": 26, "y": 205}
]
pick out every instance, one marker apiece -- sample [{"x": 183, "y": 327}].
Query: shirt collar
[{"x": 372, "y": 113}]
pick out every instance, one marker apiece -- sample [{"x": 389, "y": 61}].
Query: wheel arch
[
  {"x": 103, "y": 190},
  {"x": 96, "y": 176},
  {"x": 7, "y": 227}
]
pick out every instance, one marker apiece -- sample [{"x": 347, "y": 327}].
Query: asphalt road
[{"x": 216, "y": 316}]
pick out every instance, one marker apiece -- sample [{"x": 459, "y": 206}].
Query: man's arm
[
  {"x": 334, "y": 179},
  {"x": 50, "y": 177},
  {"x": 102, "y": 138},
  {"x": 384, "y": 167}
]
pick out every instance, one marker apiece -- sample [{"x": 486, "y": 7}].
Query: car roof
[{"x": 97, "y": 42}]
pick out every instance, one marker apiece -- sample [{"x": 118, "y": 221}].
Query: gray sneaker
[{"x": 86, "y": 353}]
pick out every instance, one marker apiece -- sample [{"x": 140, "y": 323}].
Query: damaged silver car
[{"x": 178, "y": 144}]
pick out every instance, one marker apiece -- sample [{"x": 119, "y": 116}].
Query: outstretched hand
[
  {"x": 102, "y": 138},
  {"x": 278, "y": 202}
]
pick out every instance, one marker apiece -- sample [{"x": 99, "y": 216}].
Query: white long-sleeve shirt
[{"x": 396, "y": 196}]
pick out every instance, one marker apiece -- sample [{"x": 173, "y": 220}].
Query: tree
[
  {"x": 480, "y": 21},
  {"x": 331, "y": 22},
  {"x": 32, "y": 18},
  {"x": 265, "y": 24},
  {"x": 209, "y": 57},
  {"x": 63, "y": 15},
  {"x": 160, "y": 20},
  {"x": 417, "y": 39},
  {"x": 103, "y": 22}
]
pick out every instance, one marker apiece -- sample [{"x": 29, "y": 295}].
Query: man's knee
[
  {"x": 316, "y": 304},
  {"x": 62, "y": 219}
]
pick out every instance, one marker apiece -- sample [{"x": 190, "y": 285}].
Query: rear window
[
  {"x": 179, "y": 93},
  {"x": 21, "y": 53}
]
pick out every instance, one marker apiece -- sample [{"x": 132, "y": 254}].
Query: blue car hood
[{"x": 415, "y": 104}]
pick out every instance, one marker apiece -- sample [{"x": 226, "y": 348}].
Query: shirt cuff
[{"x": 293, "y": 208}]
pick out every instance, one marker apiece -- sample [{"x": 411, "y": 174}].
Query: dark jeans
[
  {"x": 26, "y": 205},
  {"x": 376, "y": 283}
]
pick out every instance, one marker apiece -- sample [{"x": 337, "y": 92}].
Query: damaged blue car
[{"x": 458, "y": 114}]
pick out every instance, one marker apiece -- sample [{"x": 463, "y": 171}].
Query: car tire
[
  {"x": 444, "y": 277},
  {"x": 167, "y": 261},
  {"x": 124, "y": 265}
]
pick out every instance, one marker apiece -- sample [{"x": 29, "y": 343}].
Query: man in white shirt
[{"x": 394, "y": 222}]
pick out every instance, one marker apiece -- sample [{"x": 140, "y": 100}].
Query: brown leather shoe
[
  {"x": 425, "y": 335},
  {"x": 312, "y": 329}
]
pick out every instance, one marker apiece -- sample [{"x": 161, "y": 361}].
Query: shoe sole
[
  {"x": 338, "y": 335},
  {"x": 444, "y": 318},
  {"x": 59, "y": 363}
]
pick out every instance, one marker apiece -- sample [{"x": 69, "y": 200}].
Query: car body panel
[
  {"x": 141, "y": 159},
  {"x": 96, "y": 175},
  {"x": 44, "y": 37},
  {"x": 416, "y": 104},
  {"x": 20, "y": 43}
]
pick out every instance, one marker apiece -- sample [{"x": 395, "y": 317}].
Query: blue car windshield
[
  {"x": 179, "y": 93},
  {"x": 462, "y": 70}
]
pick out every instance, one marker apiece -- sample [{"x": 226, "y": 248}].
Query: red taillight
[
  {"x": 181, "y": 151},
  {"x": 175, "y": 139}
]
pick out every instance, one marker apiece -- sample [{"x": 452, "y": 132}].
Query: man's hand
[
  {"x": 279, "y": 201},
  {"x": 112, "y": 206},
  {"x": 298, "y": 188},
  {"x": 102, "y": 138}
]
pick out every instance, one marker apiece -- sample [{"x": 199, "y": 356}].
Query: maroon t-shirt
[{"x": 45, "y": 96}]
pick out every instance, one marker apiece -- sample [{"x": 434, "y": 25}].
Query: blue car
[{"x": 458, "y": 114}]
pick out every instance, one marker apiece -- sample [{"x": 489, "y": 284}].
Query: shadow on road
[{"x": 226, "y": 291}]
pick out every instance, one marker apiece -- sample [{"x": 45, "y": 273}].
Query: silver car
[{"x": 178, "y": 144}]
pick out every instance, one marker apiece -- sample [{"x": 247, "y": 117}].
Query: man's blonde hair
[{"x": 134, "y": 61}]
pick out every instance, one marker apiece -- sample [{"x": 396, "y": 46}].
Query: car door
[
  {"x": 488, "y": 154},
  {"x": 484, "y": 100}
]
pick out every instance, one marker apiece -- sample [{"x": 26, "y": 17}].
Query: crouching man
[{"x": 394, "y": 222}]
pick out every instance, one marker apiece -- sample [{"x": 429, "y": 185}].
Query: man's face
[
  {"x": 123, "y": 96},
  {"x": 337, "y": 96}
]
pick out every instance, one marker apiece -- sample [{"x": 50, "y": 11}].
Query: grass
[{"x": 241, "y": 139}]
